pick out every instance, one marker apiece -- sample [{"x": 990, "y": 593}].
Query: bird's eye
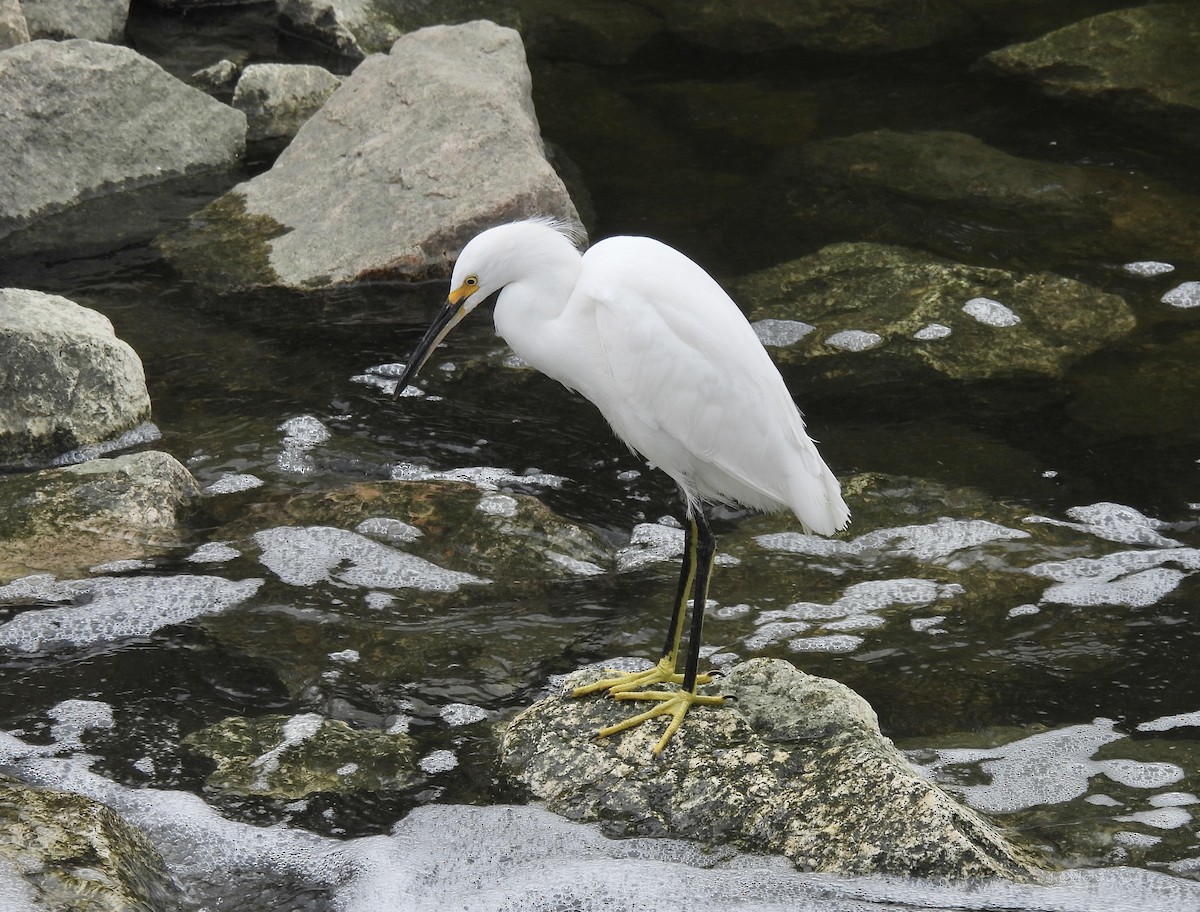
[{"x": 471, "y": 281}]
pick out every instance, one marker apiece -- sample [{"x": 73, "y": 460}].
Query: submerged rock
[
  {"x": 64, "y": 521},
  {"x": 964, "y": 198},
  {"x": 277, "y": 98},
  {"x": 289, "y": 757},
  {"x": 513, "y": 538},
  {"x": 76, "y": 853},
  {"x": 966, "y": 322},
  {"x": 1139, "y": 63},
  {"x": 141, "y": 125},
  {"x": 66, "y": 380},
  {"x": 795, "y": 766},
  {"x": 406, "y": 161},
  {"x": 837, "y": 26}
]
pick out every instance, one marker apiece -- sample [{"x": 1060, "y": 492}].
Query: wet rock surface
[
  {"x": 292, "y": 757},
  {"x": 385, "y": 181},
  {"x": 278, "y": 98},
  {"x": 75, "y": 853},
  {"x": 512, "y": 537},
  {"x": 958, "y": 193},
  {"x": 962, "y": 321},
  {"x": 793, "y": 765},
  {"x": 1139, "y": 63},
  {"x": 67, "y": 380},
  {"x": 142, "y": 124},
  {"x": 95, "y": 20},
  {"x": 64, "y": 521},
  {"x": 13, "y": 27}
]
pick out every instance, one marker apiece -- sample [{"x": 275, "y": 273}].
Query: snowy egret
[{"x": 655, "y": 343}]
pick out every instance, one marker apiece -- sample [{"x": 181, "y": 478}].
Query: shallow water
[{"x": 1068, "y": 714}]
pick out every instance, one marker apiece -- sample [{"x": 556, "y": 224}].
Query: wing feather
[{"x": 684, "y": 381}]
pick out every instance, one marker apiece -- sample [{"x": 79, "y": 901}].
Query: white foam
[
  {"x": 931, "y": 332},
  {"x": 1169, "y": 818},
  {"x": 832, "y": 643},
  {"x": 74, "y": 717},
  {"x": 438, "y": 761},
  {"x": 146, "y": 432},
  {"x": 990, "y": 313},
  {"x": 455, "y": 714},
  {"x": 111, "y": 609},
  {"x": 497, "y": 505},
  {"x": 296, "y": 730},
  {"x": 486, "y": 478},
  {"x": 213, "y": 553},
  {"x": 927, "y": 624},
  {"x": 1173, "y": 799},
  {"x": 1135, "y": 579},
  {"x": 854, "y": 340},
  {"x": 781, "y": 333},
  {"x": 301, "y": 435},
  {"x": 128, "y": 565},
  {"x": 1186, "y": 295},
  {"x": 524, "y": 859},
  {"x": 15, "y": 894},
  {"x": 1051, "y": 767},
  {"x": 232, "y": 482},
  {"x": 1166, "y": 723},
  {"x": 388, "y": 530},
  {"x": 926, "y": 541},
  {"x": 305, "y": 555},
  {"x": 1137, "y": 590},
  {"x": 1135, "y": 840},
  {"x": 1114, "y": 522},
  {"x": 1148, "y": 268}
]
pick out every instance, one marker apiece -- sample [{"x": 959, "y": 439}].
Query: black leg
[
  {"x": 686, "y": 579},
  {"x": 705, "y": 552}
]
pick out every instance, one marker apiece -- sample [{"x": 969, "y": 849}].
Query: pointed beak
[{"x": 447, "y": 318}]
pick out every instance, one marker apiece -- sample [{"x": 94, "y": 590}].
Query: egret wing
[{"x": 690, "y": 386}]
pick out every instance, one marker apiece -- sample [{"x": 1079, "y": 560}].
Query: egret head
[{"x": 487, "y": 263}]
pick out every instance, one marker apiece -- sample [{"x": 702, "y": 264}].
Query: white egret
[{"x": 655, "y": 343}]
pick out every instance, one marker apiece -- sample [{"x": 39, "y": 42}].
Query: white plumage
[{"x": 655, "y": 343}]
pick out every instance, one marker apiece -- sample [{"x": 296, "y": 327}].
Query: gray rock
[
  {"x": 353, "y": 28},
  {"x": 68, "y": 381},
  {"x": 95, "y": 20},
  {"x": 222, "y": 76},
  {"x": 1139, "y": 62},
  {"x": 796, "y": 766},
  {"x": 277, "y": 98},
  {"x": 14, "y": 29},
  {"x": 65, "y": 521},
  {"x": 82, "y": 119},
  {"x": 922, "y": 309},
  {"x": 293, "y": 757},
  {"x": 962, "y": 196},
  {"x": 401, "y": 166},
  {"x": 78, "y": 854}
]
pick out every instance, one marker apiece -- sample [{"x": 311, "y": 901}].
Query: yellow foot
[
  {"x": 627, "y": 681},
  {"x": 674, "y": 703}
]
